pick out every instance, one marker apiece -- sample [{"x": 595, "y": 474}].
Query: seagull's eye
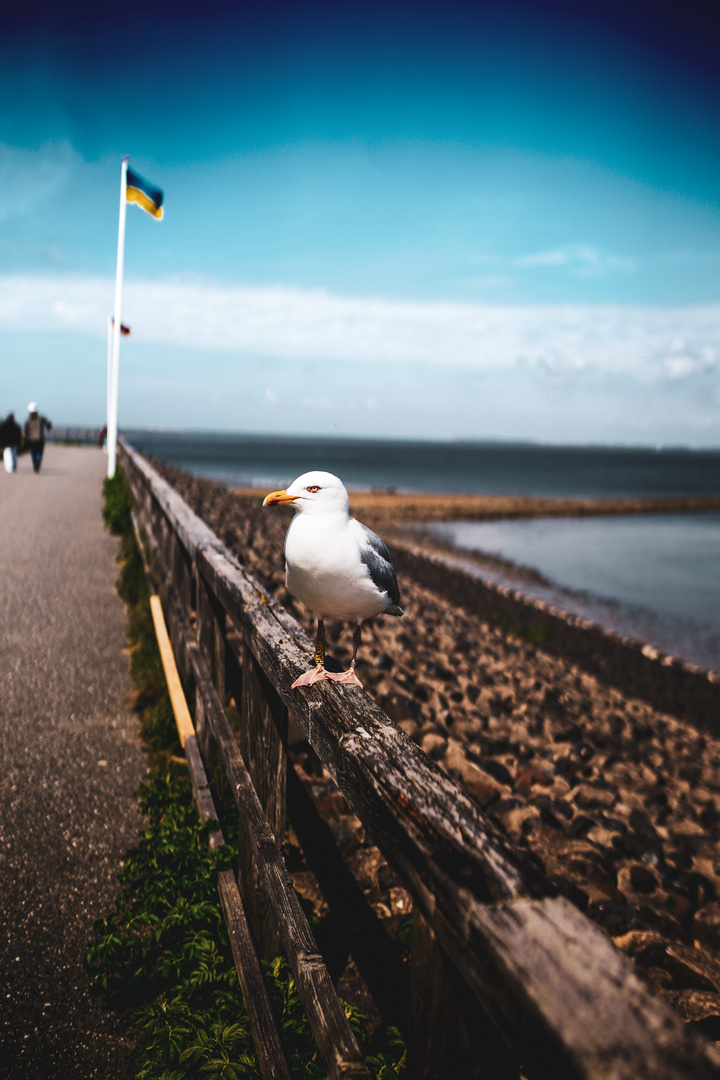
[{"x": 313, "y": 488}]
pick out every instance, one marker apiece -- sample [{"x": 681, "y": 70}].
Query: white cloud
[
  {"x": 582, "y": 260},
  {"x": 581, "y": 340},
  {"x": 684, "y": 367}
]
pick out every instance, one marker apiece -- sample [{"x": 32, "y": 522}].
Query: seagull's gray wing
[{"x": 375, "y": 555}]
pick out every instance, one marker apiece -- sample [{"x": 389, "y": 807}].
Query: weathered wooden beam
[
  {"x": 356, "y": 927},
  {"x": 268, "y": 1045},
  {"x": 447, "y": 1037},
  {"x": 201, "y": 790},
  {"x": 210, "y": 630},
  {"x": 272, "y": 1061},
  {"x": 263, "y": 746},
  {"x": 263, "y": 742},
  {"x": 569, "y": 1001}
]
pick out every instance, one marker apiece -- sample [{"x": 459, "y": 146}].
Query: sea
[{"x": 654, "y": 578}]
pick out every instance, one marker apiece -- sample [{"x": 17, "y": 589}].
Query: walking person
[
  {"x": 35, "y": 427},
  {"x": 10, "y": 437}
]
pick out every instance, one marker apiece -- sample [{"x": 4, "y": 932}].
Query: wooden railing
[
  {"x": 504, "y": 974},
  {"x": 82, "y": 435}
]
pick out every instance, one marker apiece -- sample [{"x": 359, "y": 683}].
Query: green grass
[
  {"x": 533, "y": 633},
  {"x": 163, "y": 952}
]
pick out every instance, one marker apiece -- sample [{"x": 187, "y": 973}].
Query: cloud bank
[
  {"x": 278, "y": 358},
  {"x": 648, "y": 342}
]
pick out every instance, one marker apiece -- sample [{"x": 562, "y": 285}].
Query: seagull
[{"x": 338, "y": 567}]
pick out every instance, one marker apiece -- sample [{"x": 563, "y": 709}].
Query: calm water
[
  {"x": 482, "y": 468},
  {"x": 655, "y": 578}
]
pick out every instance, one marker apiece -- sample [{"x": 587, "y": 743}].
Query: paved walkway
[{"x": 70, "y": 762}]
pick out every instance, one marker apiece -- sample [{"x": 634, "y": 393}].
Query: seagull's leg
[
  {"x": 320, "y": 644},
  {"x": 356, "y": 645},
  {"x": 349, "y": 677},
  {"x": 318, "y": 673}
]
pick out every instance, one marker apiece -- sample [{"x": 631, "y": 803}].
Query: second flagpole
[{"x": 115, "y": 365}]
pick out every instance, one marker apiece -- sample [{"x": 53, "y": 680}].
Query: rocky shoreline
[{"x": 603, "y": 762}]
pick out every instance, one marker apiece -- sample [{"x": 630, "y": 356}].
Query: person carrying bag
[{"x": 35, "y": 427}]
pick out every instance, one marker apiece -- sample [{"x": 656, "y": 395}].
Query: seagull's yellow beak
[{"x": 277, "y": 498}]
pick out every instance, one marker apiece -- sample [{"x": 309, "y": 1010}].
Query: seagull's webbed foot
[
  {"x": 316, "y": 674},
  {"x": 348, "y": 678},
  {"x": 319, "y": 674}
]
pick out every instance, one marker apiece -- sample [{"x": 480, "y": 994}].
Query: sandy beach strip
[{"x": 383, "y": 507}]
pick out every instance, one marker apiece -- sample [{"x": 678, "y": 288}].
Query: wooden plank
[
  {"x": 438, "y": 1039},
  {"x": 177, "y": 697},
  {"x": 204, "y": 623},
  {"x": 438, "y": 1043},
  {"x": 266, "y": 1037},
  {"x": 272, "y": 1061},
  {"x": 356, "y": 927},
  {"x": 569, "y": 1002},
  {"x": 201, "y": 790},
  {"x": 190, "y": 530},
  {"x": 263, "y": 745}
]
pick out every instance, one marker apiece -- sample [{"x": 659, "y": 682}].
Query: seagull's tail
[{"x": 394, "y": 609}]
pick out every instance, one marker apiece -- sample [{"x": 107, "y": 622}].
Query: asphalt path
[{"x": 70, "y": 763}]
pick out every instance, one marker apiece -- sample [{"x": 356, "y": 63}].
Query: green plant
[
  {"x": 117, "y": 504},
  {"x": 533, "y": 633},
  {"x": 163, "y": 950}
]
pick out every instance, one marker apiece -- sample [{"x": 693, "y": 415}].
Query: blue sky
[{"x": 453, "y": 220}]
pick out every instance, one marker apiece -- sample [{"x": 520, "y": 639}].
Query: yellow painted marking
[{"x": 177, "y": 697}]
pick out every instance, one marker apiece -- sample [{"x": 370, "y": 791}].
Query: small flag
[
  {"x": 146, "y": 195},
  {"x": 124, "y": 330}
]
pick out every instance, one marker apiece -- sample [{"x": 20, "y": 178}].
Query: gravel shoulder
[{"x": 72, "y": 762}]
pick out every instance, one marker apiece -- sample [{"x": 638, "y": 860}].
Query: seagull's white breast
[{"x": 324, "y": 568}]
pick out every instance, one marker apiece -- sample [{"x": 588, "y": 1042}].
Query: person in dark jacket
[
  {"x": 35, "y": 427},
  {"x": 10, "y": 437}
]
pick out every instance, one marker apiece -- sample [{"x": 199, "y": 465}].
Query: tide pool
[{"x": 652, "y": 577}]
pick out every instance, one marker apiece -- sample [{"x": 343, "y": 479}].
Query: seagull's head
[{"x": 312, "y": 493}]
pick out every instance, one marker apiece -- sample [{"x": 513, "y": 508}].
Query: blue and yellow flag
[{"x": 146, "y": 195}]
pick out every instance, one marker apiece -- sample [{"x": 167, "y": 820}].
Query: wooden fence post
[
  {"x": 210, "y": 632},
  {"x": 263, "y": 745},
  {"x": 448, "y": 1034}
]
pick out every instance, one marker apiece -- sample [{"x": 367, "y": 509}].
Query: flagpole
[
  {"x": 109, "y": 372},
  {"x": 115, "y": 365}
]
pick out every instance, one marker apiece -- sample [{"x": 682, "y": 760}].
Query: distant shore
[{"x": 386, "y": 508}]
